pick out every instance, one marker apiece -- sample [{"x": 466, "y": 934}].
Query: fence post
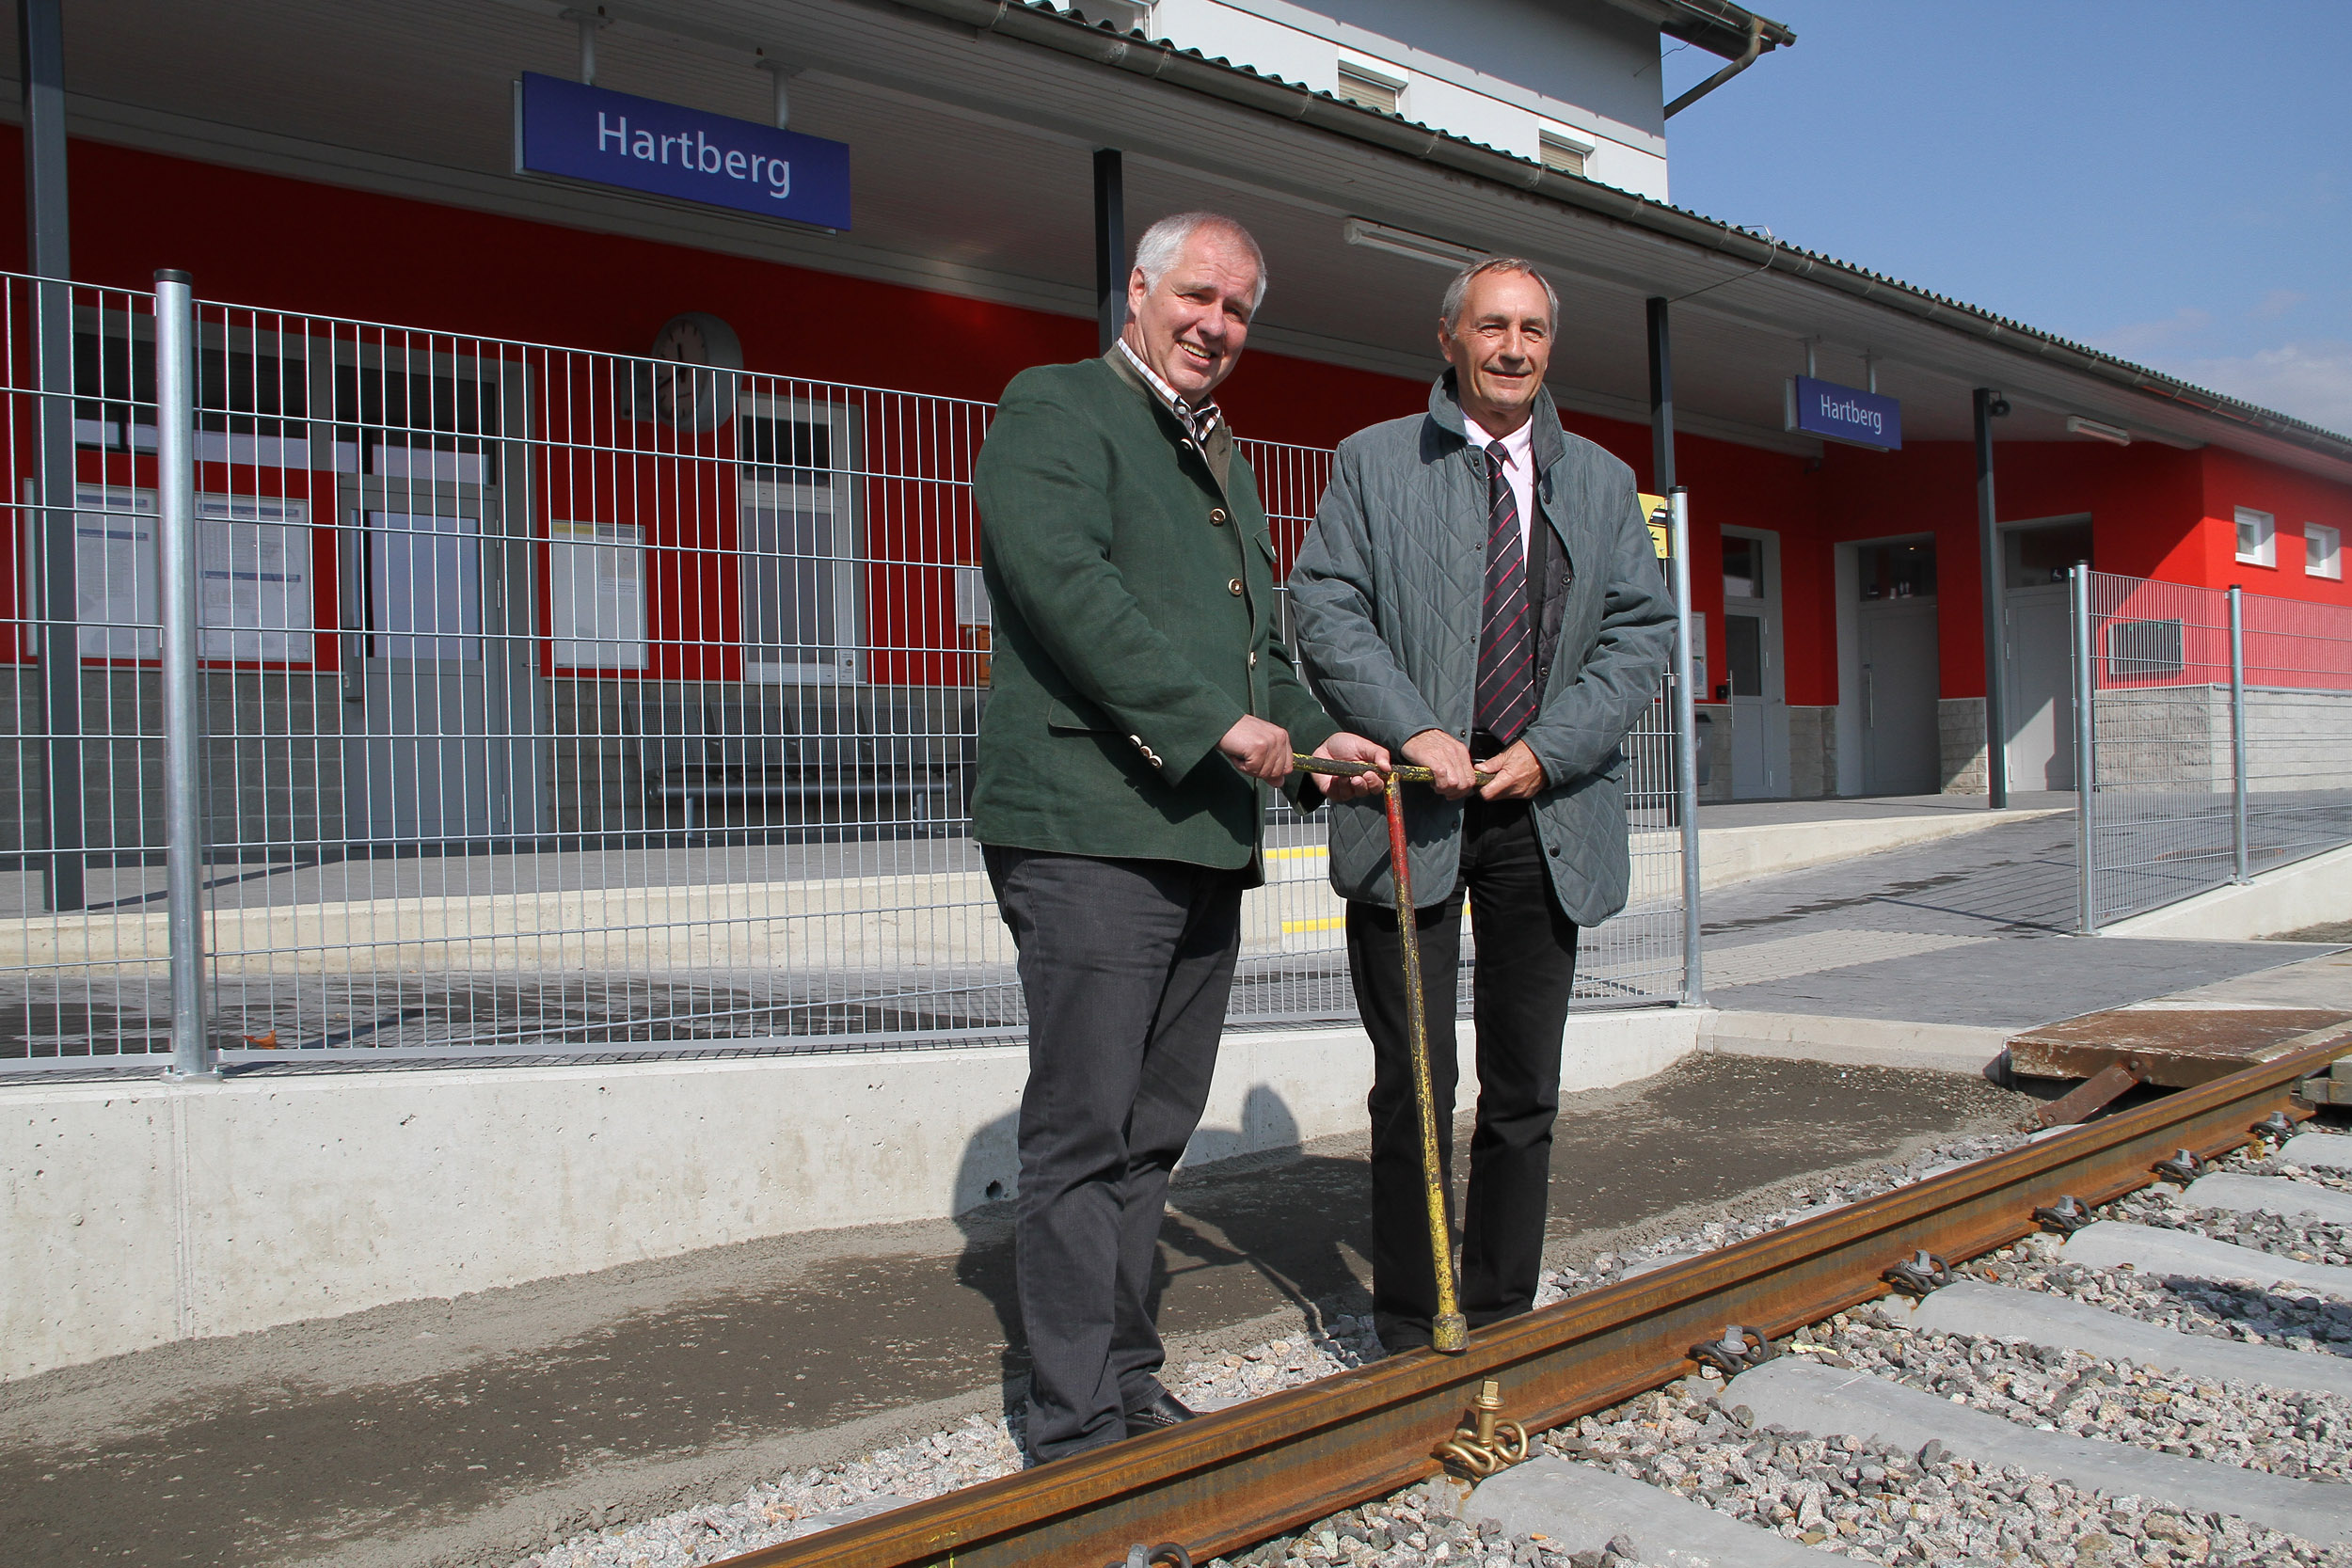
[
  {"x": 2086, "y": 747},
  {"x": 1686, "y": 747},
  {"x": 184, "y": 711},
  {"x": 2237, "y": 734}
]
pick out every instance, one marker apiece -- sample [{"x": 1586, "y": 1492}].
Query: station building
[{"x": 360, "y": 165}]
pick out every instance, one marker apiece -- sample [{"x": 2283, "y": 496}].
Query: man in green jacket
[{"x": 1141, "y": 702}]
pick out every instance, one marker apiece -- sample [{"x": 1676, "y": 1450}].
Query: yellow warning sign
[{"x": 1655, "y": 508}]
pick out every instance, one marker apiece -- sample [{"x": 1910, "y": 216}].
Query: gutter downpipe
[
  {"x": 1139, "y": 56},
  {"x": 1755, "y": 47}
]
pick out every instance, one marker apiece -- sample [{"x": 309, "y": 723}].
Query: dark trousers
[
  {"x": 1526, "y": 966},
  {"x": 1126, "y": 965}
]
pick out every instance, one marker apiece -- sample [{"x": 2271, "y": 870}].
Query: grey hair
[
  {"x": 1165, "y": 240},
  {"x": 1450, "y": 312}
]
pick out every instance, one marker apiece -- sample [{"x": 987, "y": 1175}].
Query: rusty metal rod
[
  {"x": 1410, "y": 772},
  {"x": 1448, "y": 1331},
  {"x": 1237, "y": 1477}
]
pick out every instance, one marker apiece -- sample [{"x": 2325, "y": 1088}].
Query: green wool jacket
[{"x": 1132, "y": 576}]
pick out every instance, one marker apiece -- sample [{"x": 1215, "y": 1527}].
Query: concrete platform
[
  {"x": 1970, "y": 932},
  {"x": 146, "y": 1211},
  {"x": 921, "y": 904}
]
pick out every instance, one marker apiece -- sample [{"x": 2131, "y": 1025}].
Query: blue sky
[{"x": 2171, "y": 182}]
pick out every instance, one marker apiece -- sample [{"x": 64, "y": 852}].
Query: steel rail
[{"x": 1240, "y": 1476}]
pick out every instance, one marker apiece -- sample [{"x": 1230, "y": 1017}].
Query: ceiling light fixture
[
  {"x": 2114, "y": 435},
  {"x": 1403, "y": 241}
]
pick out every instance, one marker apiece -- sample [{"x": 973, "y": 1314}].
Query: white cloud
[
  {"x": 2310, "y": 380},
  {"x": 2277, "y": 302},
  {"x": 2140, "y": 339}
]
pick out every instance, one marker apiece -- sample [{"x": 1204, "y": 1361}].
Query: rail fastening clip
[
  {"x": 2275, "y": 1127},
  {"x": 1920, "y": 1274},
  {"x": 2066, "y": 1216},
  {"x": 2183, "y": 1167},
  {"x": 1734, "y": 1352},
  {"x": 1142, "y": 1556}
]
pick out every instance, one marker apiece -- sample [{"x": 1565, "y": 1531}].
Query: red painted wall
[
  {"x": 2142, "y": 501},
  {"x": 2157, "y": 512},
  {"x": 2293, "y": 499}
]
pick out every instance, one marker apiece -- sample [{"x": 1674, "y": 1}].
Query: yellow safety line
[
  {"x": 1312, "y": 852},
  {"x": 1333, "y": 924}
]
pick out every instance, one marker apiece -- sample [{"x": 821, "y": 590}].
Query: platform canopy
[{"x": 973, "y": 126}]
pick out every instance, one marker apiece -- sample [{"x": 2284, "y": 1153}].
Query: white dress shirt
[{"x": 1518, "y": 452}]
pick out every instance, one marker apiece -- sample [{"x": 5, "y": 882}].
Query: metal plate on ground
[{"x": 2175, "y": 1047}]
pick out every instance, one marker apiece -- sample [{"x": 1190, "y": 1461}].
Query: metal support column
[
  {"x": 591, "y": 21},
  {"x": 1661, "y": 401},
  {"x": 2238, "y": 735},
  {"x": 1990, "y": 403},
  {"x": 1686, "y": 746},
  {"x": 1111, "y": 248},
  {"x": 40, "y": 45},
  {"x": 2086, "y": 747},
  {"x": 183, "y": 708}
]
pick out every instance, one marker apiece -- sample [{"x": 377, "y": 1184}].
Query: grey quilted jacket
[{"x": 1387, "y": 594}]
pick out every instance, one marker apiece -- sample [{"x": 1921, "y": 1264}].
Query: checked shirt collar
[{"x": 1198, "y": 422}]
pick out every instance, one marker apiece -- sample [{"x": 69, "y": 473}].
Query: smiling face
[
  {"x": 1190, "y": 326},
  {"x": 1500, "y": 348}
]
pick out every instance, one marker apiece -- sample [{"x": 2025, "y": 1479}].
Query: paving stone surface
[{"x": 1988, "y": 916}]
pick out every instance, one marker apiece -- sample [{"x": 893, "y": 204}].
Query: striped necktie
[{"x": 1506, "y": 642}]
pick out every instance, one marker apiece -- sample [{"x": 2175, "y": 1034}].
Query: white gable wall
[{"x": 1303, "y": 45}]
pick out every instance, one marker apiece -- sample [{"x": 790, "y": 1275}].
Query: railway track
[{"x": 1240, "y": 1476}]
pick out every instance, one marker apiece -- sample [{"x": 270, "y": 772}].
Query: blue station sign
[
  {"x": 1847, "y": 414},
  {"x": 575, "y": 132}
]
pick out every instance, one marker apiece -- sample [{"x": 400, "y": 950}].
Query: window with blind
[
  {"x": 1561, "y": 153},
  {"x": 1369, "y": 89}
]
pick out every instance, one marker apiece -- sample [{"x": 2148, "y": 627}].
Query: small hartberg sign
[
  {"x": 1845, "y": 414},
  {"x": 642, "y": 144}
]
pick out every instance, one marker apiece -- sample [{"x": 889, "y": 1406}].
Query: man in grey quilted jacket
[{"x": 1479, "y": 591}]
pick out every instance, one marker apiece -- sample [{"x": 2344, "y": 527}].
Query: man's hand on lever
[
  {"x": 1260, "y": 750},
  {"x": 1516, "y": 774},
  {"x": 1447, "y": 759},
  {"x": 1345, "y": 747}
]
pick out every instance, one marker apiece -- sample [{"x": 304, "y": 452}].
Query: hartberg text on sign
[
  {"x": 1845, "y": 414},
  {"x": 578, "y": 132}
]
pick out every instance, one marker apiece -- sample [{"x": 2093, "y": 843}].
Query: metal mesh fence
[
  {"x": 2298, "y": 697},
  {"x": 85, "y": 971},
  {"x": 555, "y": 703},
  {"x": 2210, "y": 765}
]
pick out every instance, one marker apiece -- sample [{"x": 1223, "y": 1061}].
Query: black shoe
[{"x": 1165, "y": 1410}]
